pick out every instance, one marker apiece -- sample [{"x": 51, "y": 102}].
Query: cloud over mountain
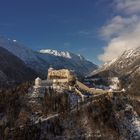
[{"x": 121, "y": 32}]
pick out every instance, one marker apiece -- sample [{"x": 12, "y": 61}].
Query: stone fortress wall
[
  {"x": 55, "y": 77},
  {"x": 64, "y": 75}
]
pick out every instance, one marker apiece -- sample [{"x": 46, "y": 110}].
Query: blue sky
[{"x": 71, "y": 25}]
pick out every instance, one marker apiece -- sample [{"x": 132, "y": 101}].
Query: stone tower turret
[{"x": 38, "y": 82}]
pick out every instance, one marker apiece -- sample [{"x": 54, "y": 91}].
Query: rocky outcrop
[{"x": 108, "y": 117}]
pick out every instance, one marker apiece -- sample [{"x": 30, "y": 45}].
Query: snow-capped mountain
[
  {"x": 126, "y": 67},
  {"x": 41, "y": 60},
  {"x": 129, "y": 59},
  {"x": 56, "y": 53},
  {"x": 66, "y": 54},
  {"x": 124, "y": 64},
  {"x": 59, "y": 59}
]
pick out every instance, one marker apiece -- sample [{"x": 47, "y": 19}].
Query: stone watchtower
[{"x": 38, "y": 82}]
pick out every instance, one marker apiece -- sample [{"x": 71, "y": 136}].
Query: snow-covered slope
[
  {"x": 124, "y": 64},
  {"x": 40, "y": 61},
  {"x": 126, "y": 67}
]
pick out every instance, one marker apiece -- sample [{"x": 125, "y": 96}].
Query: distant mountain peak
[
  {"x": 41, "y": 60},
  {"x": 56, "y": 53},
  {"x": 64, "y": 54},
  {"x": 125, "y": 63}
]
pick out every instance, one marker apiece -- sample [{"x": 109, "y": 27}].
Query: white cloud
[
  {"x": 117, "y": 25},
  {"x": 123, "y": 33},
  {"x": 117, "y": 45},
  {"x": 128, "y": 6}
]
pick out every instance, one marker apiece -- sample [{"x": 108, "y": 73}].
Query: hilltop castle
[
  {"x": 60, "y": 80},
  {"x": 55, "y": 78},
  {"x": 62, "y": 76}
]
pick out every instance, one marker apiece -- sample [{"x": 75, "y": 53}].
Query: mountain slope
[
  {"x": 40, "y": 61},
  {"x": 12, "y": 69},
  {"x": 123, "y": 65},
  {"x": 30, "y": 58},
  {"x": 126, "y": 67},
  {"x": 59, "y": 59}
]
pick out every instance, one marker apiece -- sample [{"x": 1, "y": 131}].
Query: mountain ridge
[
  {"x": 40, "y": 62},
  {"x": 13, "y": 70},
  {"x": 126, "y": 67}
]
